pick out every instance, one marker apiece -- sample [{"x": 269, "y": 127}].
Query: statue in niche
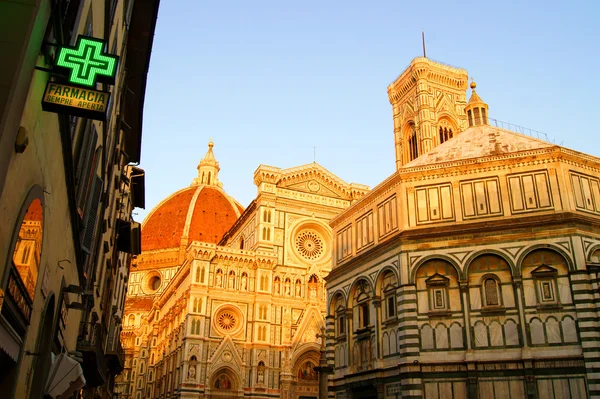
[
  {"x": 288, "y": 287},
  {"x": 298, "y": 288},
  {"x": 219, "y": 279},
  {"x": 261, "y": 373},
  {"x": 276, "y": 286},
  {"x": 244, "y": 282},
  {"x": 192, "y": 372},
  {"x": 231, "y": 280}
]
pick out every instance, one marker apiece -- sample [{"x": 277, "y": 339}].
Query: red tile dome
[{"x": 202, "y": 212}]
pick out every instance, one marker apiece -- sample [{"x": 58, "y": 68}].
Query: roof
[
  {"x": 198, "y": 213},
  {"x": 476, "y": 142},
  {"x": 138, "y": 303}
]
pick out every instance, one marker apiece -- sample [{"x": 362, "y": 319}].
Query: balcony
[
  {"x": 90, "y": 344},
  {"x": 114, "y": 353}
]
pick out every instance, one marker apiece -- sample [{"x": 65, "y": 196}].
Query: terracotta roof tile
[
  {"x": 212, "y": 217},
  {"x": 164, "y": 227},
  {"x": 213, "y": 214}
]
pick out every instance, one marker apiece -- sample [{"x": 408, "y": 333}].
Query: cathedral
[
  {"x": 470, "y": 272},
  {"x": 227, "y": 302}
]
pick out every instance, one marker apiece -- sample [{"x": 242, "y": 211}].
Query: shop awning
[
  {"x": 9, "y": 344},
  {"x": 66, "y": 377}
]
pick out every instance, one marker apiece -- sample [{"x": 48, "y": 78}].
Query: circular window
[
  {"x": 228, "y": 320},
  {"x": 151, "y": 282},
  {"x": 309, "y": 244},
  {"x": 154, "y": 283}
]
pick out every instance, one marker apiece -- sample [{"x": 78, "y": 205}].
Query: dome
[{"x": 201, "y": 212}]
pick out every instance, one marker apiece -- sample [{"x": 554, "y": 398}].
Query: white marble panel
[
  {"x": 537, "y": 332},
  {"x": 561, "y": 388},
  {"x": 545, "y": 389},
  {"x": 455, "y": 303},
  {"x": 426, "y": 337},
  {"x": 564, "y": 290},
  {"x": 431, "y": 390},
  {"x": 456, "y": 336},
  {"x": 460, "y": 390},
  {"x": 423, "y": 302},
  {"x": 511, "y": 333},
  {"x": 386, "y": 344},
  {"x": 445, "y": 389},
  {"x": 508, "y": 296},
  {"x": 481, "y": 337},
  {"x": 441, "y": 336},
  {"x": 553, "y": 331},
  {"x": 496, "y": 337},
  {"x": 577, "y": 388},
  {"x": 529, "y": 292},
  {"x": 502, "y": 389},
  {"x": 517, "y": 388},
  {"x": 475, "y": 298},
  {"x": 486, "y": 390},
  {"x": 569, "y": 330}
]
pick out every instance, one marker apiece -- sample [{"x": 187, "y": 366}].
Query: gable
[{"x": 314, "y": 179}]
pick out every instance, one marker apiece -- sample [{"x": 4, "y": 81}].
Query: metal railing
[{"x": 520, "y": 129}]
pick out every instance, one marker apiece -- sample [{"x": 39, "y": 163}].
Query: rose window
[
  {"x": 310, "y": 245},
  {"x": 226, "y": 321}
]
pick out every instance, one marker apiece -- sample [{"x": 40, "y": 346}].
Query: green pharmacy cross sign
[{"x": 88, "y": 62}]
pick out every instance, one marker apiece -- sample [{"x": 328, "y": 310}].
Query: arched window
[
  {"x": 361, "y": 300},
  {"x": 388, "y": 291},
  {"x": 131, "y": 320},
  {"x": 195, "y": 304},
  {"x": 413, "y": 144},
  {"x": 490, "y": 285},
  {"x": 242, "y": 243},
  {"x": 198, "y": 274},
  {"x": 202, "y": 274},
  {"x": 445, "y": 134},
  {"x": 27, "y": 250}
]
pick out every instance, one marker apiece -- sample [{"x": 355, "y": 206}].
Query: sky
[{"x": 269, "y": 81}]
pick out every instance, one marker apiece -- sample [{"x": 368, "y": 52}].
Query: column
[{"x": 585, "y": 288}]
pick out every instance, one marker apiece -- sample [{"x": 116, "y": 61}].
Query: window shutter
[{"x": 91, "y": 214}]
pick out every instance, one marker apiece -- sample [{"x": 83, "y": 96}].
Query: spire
[
  {"x": 476, "y": 109},
  {"x": 208, "y": 169}
]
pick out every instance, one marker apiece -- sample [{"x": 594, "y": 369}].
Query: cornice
[
  {"x": 466, "y": 167},
  {"x": 570, "y": 222}
]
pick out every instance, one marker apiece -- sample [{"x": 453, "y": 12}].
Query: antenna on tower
[
  {"x": 423, "y": 39},
  {"x": 315, "y": 154}
]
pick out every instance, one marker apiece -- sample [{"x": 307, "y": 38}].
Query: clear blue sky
[{"x": 268, "y": 80}]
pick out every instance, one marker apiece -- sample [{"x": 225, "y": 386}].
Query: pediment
[
  {"x": 437, "y": 279},
  {"x": 544, "y": 270},
  {"x": 315, "y": 179},
  {"x": 226, "y": 355},
  {"x": 307, "y": 331}
]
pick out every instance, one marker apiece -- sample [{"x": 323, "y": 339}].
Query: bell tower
[{"x": 428, "y": 105}]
